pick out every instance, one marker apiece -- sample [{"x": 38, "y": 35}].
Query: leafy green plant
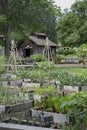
[
  {"x": 66, "y": 78},
  {"x": 78, "y": 118},
  {"x": 68, "y": 103},
  {"x": 41, "y": 74},
  {"x": 2, "y": 63},
  {"x": 58, "y": 59},
  {"x": 82, "y": 51},
  {"x": 66, "y": 51},
  {"x": 45, "y": 90},
  {"x": 7, "y": 97},
  {"x": 38, "y": 57},
  {"x": 46, "y": 65}
]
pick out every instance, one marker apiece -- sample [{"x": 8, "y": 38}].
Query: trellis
[
  {"x": 47, "y": 51},
  {"x": 14, "y": 56}
]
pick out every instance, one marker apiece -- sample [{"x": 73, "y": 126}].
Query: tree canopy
[
  {"x": 72, "y": 27},
  {"x": 26, "y": 16},
  {"x": 19, "y": 18}
]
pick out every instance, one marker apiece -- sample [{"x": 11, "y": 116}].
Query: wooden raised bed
[
  {"x": 16, "y": 107},
  {"x": 8, "y": 126}
]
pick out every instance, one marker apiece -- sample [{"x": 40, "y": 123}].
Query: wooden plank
[
  {"x": 8, "y": 126},
  {"x": 18, "y": 65}
]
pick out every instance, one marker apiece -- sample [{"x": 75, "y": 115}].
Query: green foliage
[
  {"x": 63, "y": 76},
  {"x": 76, "y": 106},
  {"x": 84, "y": 47},
  {"x": 30, "y": 16},
  {"x": 45, "y": 90},
  {"x": 34, "y": 75},
  {"x": 66, "y": 51},
  {"x": 63, "y": 104},
  {"x": 15, "y": 35},
  {"x": 57, "y": 59},
  {"x": 67, "y": 29},
  {"x": 47, "y": 65},
  {"x": 3, "y": 62},
  {"x": 2, "y": 19},
  {"x": 22, "y": 17},
  {"x": 38, "y": 57},
  {"x": 72, "y": 26},
  {"x": 75, "y": 100},
  {"x": 66, "y": 78},
  {"x": 82, "y": 51},
  {"x": 8, "y": 97}
]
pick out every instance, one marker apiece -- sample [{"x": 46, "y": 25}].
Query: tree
[
  {"x": 68, "y": 29},
  {"x": 72, "y": 27},
  {"x": 4, "y": 11},
  {"x": 80, "y": 8},
  {"x": 31, "y": 16},
  {"x": 27, "y": 16}
]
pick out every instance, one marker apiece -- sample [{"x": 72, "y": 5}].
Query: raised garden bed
[
  {"x": 8, "y": 126},
  {"x": 57, "y": 117},
  {"x": 38, "y": 118},
  {"x": 16, "y": 107},
  {"x": 53, "y": 100}
]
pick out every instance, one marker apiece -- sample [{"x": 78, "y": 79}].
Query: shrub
[
  {"x": 60, "y": 51},
  {"x": 45, "y": 65},
  {"x": 34, "y": 74},
  {"x": 80, "y": 59},
  {"x": 38, "y": 57},
  {"x": 66, "y": 51},
  {"x": 82, "y": 51},
  {"x": 58, "y": 59},
  {"x": 45, "y": 90},
  {"x": 3, "y": 62}
]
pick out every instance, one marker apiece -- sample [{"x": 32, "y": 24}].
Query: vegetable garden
[{"x": 53, "y": 98}]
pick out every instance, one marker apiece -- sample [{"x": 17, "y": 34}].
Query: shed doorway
[{"x": 27, "y": 52}]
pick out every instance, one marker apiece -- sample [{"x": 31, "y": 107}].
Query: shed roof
[
  {"x": 41, "y": 42},
  {"x": 36, "y": 33}
]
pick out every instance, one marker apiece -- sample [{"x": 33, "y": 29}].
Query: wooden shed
[{"x": 35, "y": 45}]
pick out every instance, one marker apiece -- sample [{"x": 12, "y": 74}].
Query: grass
[
  {"x": 78, "y": 71},
  {"x": 72, "y": 70}
]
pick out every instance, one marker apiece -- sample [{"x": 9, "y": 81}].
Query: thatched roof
[{"x": 40, "y": 41}]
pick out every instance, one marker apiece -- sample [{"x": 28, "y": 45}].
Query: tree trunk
[
  {"x": 6, "y": 27},
  {"x": 6, "y": 30},
  {"x": 6, "y": 42}
]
